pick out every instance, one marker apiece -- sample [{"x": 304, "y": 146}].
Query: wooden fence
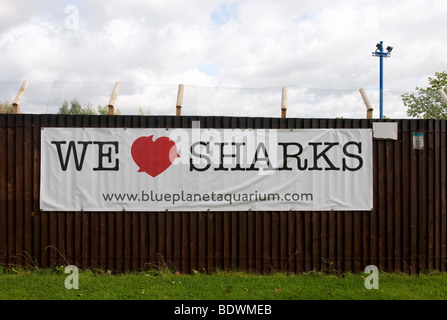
[{"x": 406, "y": 231}]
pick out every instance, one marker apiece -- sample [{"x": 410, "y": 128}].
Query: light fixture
[{"x": 381, "y": 54}]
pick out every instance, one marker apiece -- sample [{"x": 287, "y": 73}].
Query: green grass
[{"x": 48, "y": 284}]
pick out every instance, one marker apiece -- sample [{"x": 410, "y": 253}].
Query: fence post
[
  {"x": 113, "y": 98},
  {"x": 369, "y": 108},
  {"x": 179, "y": 100},
  {"x": 443, "y": 96},
  {"x": 284, "y": 102},
  {"x": 18, "y": 99}
]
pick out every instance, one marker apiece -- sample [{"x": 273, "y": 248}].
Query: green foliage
[
  {"x": 427, "y": 103},
  {"x": 48, "y": 284},
  {"x": 6, "y": 106},
  {"x": 75, "y": 107},
  {"x": 104, "y": 110},
  {"x": 144, "y": 113}
]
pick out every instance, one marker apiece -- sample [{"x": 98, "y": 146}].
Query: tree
[
  {"x": 6, "y": 106},
  {"x": 104, "y": 110},
  {"x": 427, "y": 103},
  {"x": 75, "y": 107},
  {"x": 144, "y": 113}
]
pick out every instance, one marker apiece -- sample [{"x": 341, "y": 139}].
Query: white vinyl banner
[{"x": 119, "y": 169}]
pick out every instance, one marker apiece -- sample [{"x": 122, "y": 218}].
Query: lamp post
[{"x": 381, "y": 54}]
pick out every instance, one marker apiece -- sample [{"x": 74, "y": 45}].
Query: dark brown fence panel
[{"x": 405, "y": 231}]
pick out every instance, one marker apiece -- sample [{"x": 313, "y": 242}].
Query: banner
[{"x": 151, "y": 169}]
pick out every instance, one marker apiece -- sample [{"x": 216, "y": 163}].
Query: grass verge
[{"x": 49, "y": 284}]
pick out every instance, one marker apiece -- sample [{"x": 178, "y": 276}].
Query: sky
[{"x": 233, "y": 57}]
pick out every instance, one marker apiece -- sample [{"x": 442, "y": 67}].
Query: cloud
[{"x": 232, "y": 55}]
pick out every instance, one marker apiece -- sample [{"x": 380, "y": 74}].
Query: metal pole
[{"x": 381, "y": 80}]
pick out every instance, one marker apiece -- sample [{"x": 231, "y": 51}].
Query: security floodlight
[{"x": 381, "y": 54}]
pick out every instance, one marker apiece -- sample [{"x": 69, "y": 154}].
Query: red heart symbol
[{"x": 154, "y": 157}]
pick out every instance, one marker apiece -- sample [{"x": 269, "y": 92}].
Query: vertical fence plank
[
  {"x": 162, "y": 237},
  {"x": 348, "y": 241},
  {"x": 194, "y": 241},
  {"x": 136, "y": 236},
  {"x": 406, "y": 195},
  {"x": 422, "y": 199},
  {"x": 119, "y": 243},
  {"x": 283, "y": 232},
  {"x": 186, "y": 254},
  {"x": 267, "y": 257},
  {"x": 243, "y": 241},
  {"x": 152, "y": 239},
  {"x": 316, "y": 243},
  {"x": 308, "y": 241},
  {"x": 94, "y": 239},
  {"x": 210, "y": 241},
  {"x": 300, "y": 251},
  {"x": 219, "y": 239},
  {"x": 28, "y": 194},
  {"x": 390, "y": 204},
  {"x": 3, "y": 196},
  {"x": 251, "y": 221},
  {"x": 259, "y": 223},
  {"x": 234, "y": 240},
  {"x": 414, "y": 207},
  {"x": 437, "y": 195},
  {"x": 398, "y": 202},
  {"x": 19, "y": 195},
  {"x": 275, "y": 241},
  {"x": 443, "y": 181},
  {"x": 111, "y": 241},
  {"x": 37, "y": 217},
  {"x": 430, "y": 196},
  {"x": 227, "y": 240},
  {"x": 11, "y": 196},
  {"x": 291, "y": 244},
  {"x": 202, "y": 241},
  {"x": 177, "y": 240},
  {"x": 382, "y": 209}
]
